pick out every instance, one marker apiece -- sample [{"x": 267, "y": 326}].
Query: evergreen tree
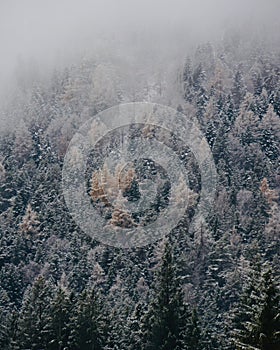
[
  {"x": 257, "y": 319},
  {"x": 270, "y": 134},
  {"x": 238, "y": 89},
  {"x": 120, "y": 308},
  {"x": 60, "y": 313},
  {"x": 33, "y": 330},
  {"x": 88, "y": 322},
  {"x": 5, "y": 319},
  {"x": 194, "y": 335},
  {"x": 135, "y": 327},
  {"x": 167, "y": 317}
]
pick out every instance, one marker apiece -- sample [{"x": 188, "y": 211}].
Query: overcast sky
[{"x": 45, "y": 30}]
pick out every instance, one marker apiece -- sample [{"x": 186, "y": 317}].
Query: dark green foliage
[
  {"x": 88, "y": 325},
  {"x": 167, "y": 317},
  {"x": 257, "y": 318},
  {"x": 194, "y": 335},
  {"x": 33, "y": 327},
  {"x": 61, "y": 310}
]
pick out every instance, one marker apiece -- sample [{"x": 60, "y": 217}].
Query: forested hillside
[{"x": 213, "y": 288}]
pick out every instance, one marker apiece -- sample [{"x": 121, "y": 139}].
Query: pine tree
[
  {"x": 194, "y": 334},
  {"x": 270, "y": 134},
  {"x": 33, "y": 330},
  {"x": 257, "y": 321},
  {"x": 167, "y": 316},
  {"x": 88, "y": 322},
  {"x": 60, "y": 313},
  {"x": 5, "y": 319},
  {"x": 135, "y": 325},
  {"x": 262, "y": 102},
  {"x": 188, "y": 90},
  {"x": 120, "y": 308},
  {"x": 238, "y": 89}
]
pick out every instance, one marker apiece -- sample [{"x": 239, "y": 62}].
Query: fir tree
[
  {"x": 33, "y": 330},
  {"x": 88, "y": 322},
  {"x": 257, "y": 319},
  {"x": 194, "y": 334},
  {"x": 60, "y": 313},
  {"x": 167, "y": 316}
]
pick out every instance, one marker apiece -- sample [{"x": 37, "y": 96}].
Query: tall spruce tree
[
  {"x": 193, "y": 338},
  {"x": 167, "y": 316},
  {"x": 33, "y": 330},
  {"x": 257, "y": 319},
  {"x": 88, "y": 322},
  {"x": 60, "y": 313}
]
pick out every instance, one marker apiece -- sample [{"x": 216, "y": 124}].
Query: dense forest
[{"x": 215, "y": 287}]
